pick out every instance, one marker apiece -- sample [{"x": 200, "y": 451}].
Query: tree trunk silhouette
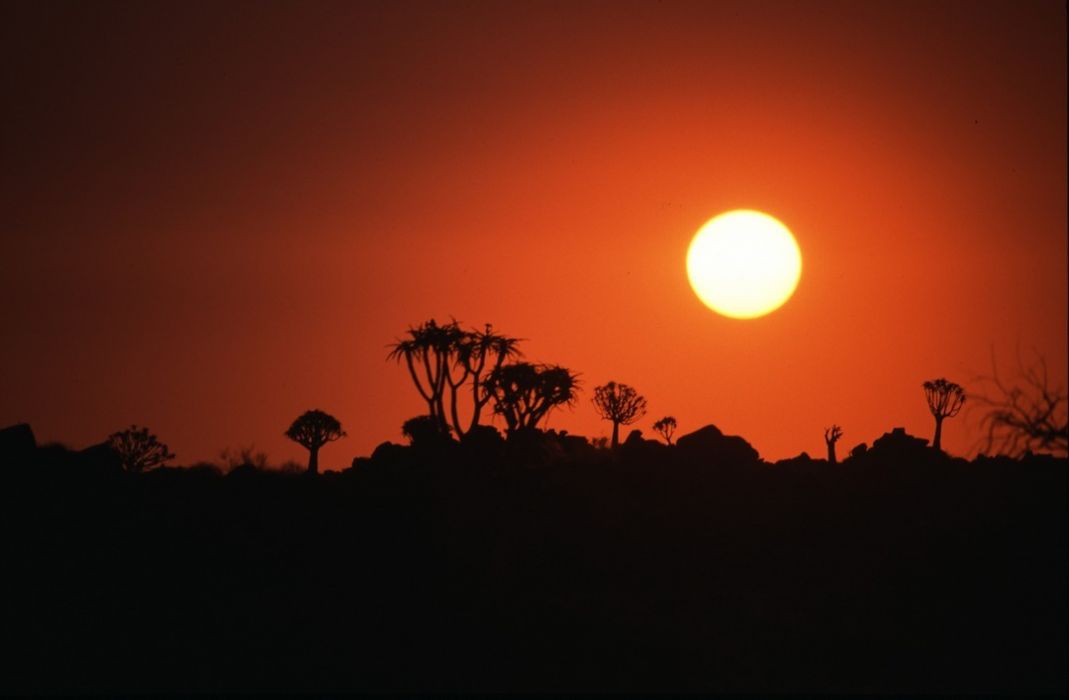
[
  {"x": 453, "y": 411},
  {"x": 313, "y": 460},
  {"x": 937, "y": 441},
  {"x": 615, "y": 434},
  {"x": 831, "y": 452}
]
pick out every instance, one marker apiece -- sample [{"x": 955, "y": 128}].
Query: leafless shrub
[
  {"x": 233, "y": 458},
  {"x": 1024, "y": 414}
]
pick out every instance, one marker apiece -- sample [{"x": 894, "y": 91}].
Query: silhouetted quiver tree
[
  {"x": 427, "y": 352},
  {"x": 138, "y": 449},
  {"x": 666, "y": 427},
  {"x": 945, "y": 400},
  {"x": 831, "y": 436},
  {"x": 525, "y": 393},
  {"x": 312, "y": 430},
  {"x": 620, "y": 404},
  {"x": 441, "y": 359},
  {"x": 480, "y": 354}
]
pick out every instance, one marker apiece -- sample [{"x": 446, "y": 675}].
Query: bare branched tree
[
  {"x": 666, "y": 428},
  {"x": 312, "y": 430},
  {"x": 1031, "y": 414},
  {"x": 831, "y": 436},
  {"x": 138, "y": 449},
  {"x": 945, "y": 400},
  {"x": 525, "y": 393},
  {"x": 620, "y": 404}
]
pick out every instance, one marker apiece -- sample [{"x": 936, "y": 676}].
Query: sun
[{"x": 744, "y": 264}]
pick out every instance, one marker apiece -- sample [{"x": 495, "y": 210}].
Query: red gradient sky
[{"x": 218, "y": 215}]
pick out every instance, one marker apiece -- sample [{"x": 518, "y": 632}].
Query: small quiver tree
[
  {"x": 945, "y": 400},
  {"x": 666, "y": 428},
  {"x": 620, "y": 404},
  {"x": 312, "y": 430},
  {"x": 138, "y": 449}
]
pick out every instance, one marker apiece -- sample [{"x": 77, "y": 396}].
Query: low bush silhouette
[
  {"x": 425, "y": 431},
  {"x": 232, "y": 458}
]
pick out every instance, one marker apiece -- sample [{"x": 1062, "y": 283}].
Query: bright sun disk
[{"x": 744, "y": 264}]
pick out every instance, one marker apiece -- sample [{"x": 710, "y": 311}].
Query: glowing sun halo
[{"x": 744, "y": 264}]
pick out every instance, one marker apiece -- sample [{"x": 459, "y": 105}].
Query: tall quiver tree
[
  {"x": 312, "y": 430},
  {"x": 620, "y": 404},
  {"x": 427, "y": 351},
  {"x": 443, "y": 359},
  {"x": 479, "y": 355},
  {"x": 945, "y": 400},
  {"x": 831, "y": 436}
]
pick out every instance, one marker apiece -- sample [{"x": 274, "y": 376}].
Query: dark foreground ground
[{"x": 644, "y": 572}]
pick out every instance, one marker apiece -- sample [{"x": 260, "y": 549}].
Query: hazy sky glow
[{"x": 218, "y": 215}]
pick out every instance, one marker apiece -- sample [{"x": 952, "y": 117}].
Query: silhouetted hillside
[{"x": 539, "y": 563}]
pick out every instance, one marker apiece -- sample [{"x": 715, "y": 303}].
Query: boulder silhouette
[
  {"x": 17, "y": 443},
  {"x": 100, "y": 460},
  {"x": 575, "y": 446},
  {"x": 390, "y": 454},
  {"x": 898, "y": 445},
  {"x": 483, "y": 443},
  {"x": 358, "y": 463},
  {"x": 709, "y": 444},
  {"x": 800, "y": 461},
  {"x": 532, "y": 447},
  {"x": 637, "y": 448}
]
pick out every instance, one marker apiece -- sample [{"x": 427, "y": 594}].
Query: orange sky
[{"x": 218, "y": 216}]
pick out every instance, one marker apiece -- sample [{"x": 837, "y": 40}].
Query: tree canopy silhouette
[
  {"x": 138, "y": 449},
  {"x": 945, "y": 400},
  {"x": 525, "y": 393},
  {"x": 313, "y": 429},
  {"x": 666, "y": 427},
  {"x": 445, "y": 361},
  {"x": 620, "y": 404}
]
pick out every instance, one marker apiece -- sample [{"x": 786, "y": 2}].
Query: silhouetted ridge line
[{"x": 538, "y": 562}]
